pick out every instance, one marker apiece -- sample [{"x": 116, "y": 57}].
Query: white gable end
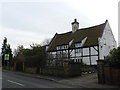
[{"x": 106, "y": 42}]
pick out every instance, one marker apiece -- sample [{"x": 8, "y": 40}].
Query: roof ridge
[
  {"x": 92, "y": 26},
  {"x": 85, "y": 28},
  {"x": 65, "y": 33}
]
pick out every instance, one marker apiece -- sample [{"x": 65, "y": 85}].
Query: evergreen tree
[
  {"x": 4, "y": 45},
  {"x": 6, "y": 50}
]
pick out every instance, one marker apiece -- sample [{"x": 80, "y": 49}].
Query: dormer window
[
  {"x": 78, "y": 45},
  {"x": 81, "y": 43}
]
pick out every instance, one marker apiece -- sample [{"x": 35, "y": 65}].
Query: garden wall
[
  {"x": 107, "y": 74},
  {"x": 67, "y": 70}
]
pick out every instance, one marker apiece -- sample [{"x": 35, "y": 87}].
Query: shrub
[{"x": 113, "y": 59}]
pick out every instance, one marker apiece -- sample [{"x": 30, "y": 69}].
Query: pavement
[{"x": 84, "y": 81}]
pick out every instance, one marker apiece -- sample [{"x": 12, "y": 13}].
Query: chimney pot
[{"x": 75, "y": 20}]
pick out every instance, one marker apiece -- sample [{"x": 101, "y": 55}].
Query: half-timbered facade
[{"x": 84, "y": 45}]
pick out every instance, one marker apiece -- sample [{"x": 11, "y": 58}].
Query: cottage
[{"x": 85, "y": 45}]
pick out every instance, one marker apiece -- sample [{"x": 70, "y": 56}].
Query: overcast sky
[{"x": 24, "y": 23}]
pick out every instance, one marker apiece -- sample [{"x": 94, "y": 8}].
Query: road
[{"x": 11, "y": 80}]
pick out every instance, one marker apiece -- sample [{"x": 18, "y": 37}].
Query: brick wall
[
  {"x": 72, "y": 69},
  {"x": 69, "y": 69},
  {"x": 107, "y": 74}
]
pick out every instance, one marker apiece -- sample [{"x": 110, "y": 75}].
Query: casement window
[
  {"x": 66, "y": 47},
  {"x": 62, "y": 47},
  {"x": 104, "y": 41},
  {"x": 77, "y": 50},
  {"x": 113, "y": 43},
  {"x": 58, "y": 47}
]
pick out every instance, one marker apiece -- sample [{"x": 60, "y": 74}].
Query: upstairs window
[
  {"x": 62, "y": 47},
  {"x": 77, "y": 50},
  {"x": 113, "y": 43},
  {"x": 58, "y": 47},
  {"x": 65, "y": 47},
  {"x": 104, "y": 41},
  {"x": 78, "y": 45}
]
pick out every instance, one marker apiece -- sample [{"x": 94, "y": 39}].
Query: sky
[{"x": 25, "y": 22}]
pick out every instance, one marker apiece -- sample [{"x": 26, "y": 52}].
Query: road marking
[{"x": 16, "y": 83}]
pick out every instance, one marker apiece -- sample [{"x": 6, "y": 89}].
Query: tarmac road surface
[{"x": 11, "y": 80}]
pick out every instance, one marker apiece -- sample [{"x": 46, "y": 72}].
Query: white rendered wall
[
  {"x": 86, "y": 60},
  {"x": 106, "y": 42}
]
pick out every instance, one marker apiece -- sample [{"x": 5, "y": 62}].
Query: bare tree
[{"x": 46, "y": 41}]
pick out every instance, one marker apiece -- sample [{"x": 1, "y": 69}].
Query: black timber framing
[
  {"x": 74, "y": 49},
  {"x": 98, "y": 53},
  {"x": 75, "y": 52},
  {"x": 68, "y": 54},
  {"x": 90, "y": 54},
  {"x": 82, "y": 55}
]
